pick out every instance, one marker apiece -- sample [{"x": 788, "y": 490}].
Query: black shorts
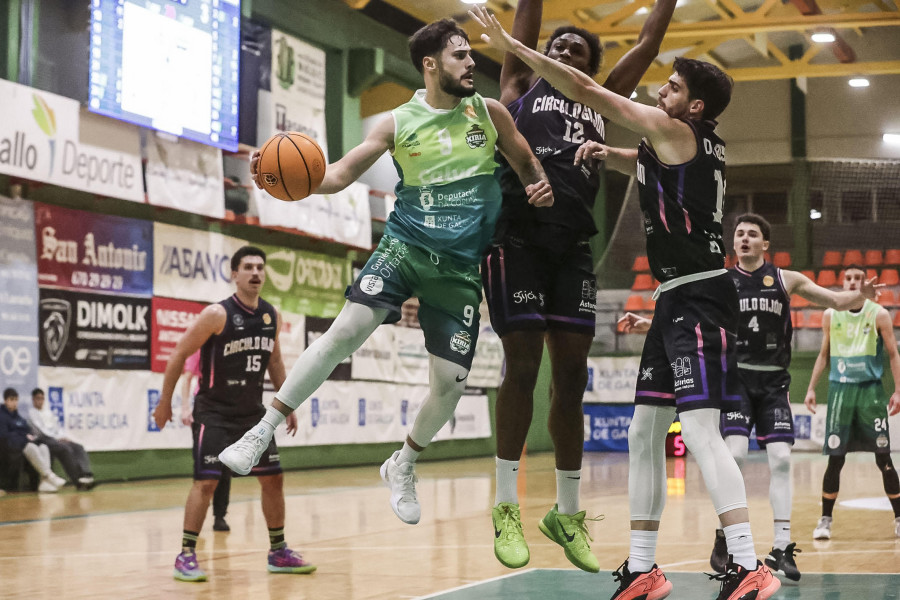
[
  {"x": 689, "y": 358},
  {"x": 766, "y": 404},
  {"x": 211, "y": 439},
  {"x": 531, "y": 287}
]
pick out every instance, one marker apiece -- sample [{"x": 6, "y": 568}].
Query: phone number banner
[
  {"x": 79, "y": 250},
  {"x": 93, "y": 331},
  {"x": 305, "y": 283}
]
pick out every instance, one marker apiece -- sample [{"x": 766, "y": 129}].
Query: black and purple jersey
[
  {"x": 555, "y": 127},
  {"x": 764, "y": 328},
  {"x": 682, "y": 207},
  {"x": 233, "y": 365}
]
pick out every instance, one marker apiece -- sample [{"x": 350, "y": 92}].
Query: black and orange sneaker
[
  {"x": 740, "y": 584},
  {"x": 651, "y": 585}
]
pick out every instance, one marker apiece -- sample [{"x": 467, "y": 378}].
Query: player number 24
[{"x": 881, "y": 424}]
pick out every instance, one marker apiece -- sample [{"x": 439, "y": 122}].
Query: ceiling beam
[{"x": 792, "y": 70}]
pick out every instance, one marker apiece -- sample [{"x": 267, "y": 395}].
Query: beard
[{"x": 454, "y": 87}]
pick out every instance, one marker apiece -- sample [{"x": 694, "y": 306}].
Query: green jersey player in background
[{"x": 442, "y": 142}]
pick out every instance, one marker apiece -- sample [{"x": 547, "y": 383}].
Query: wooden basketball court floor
[{"x": 120, "y": 540}]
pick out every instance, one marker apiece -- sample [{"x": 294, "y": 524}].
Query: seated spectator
[
  {"x": 72, "y": 455},
  {"x": 16, "y": 435}
]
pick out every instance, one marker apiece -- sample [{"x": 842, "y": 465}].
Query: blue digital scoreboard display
[{"x": 172, "y": 66}]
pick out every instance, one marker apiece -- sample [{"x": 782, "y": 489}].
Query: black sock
[
  {"x": 895, "y": 504},
  {"x": 276, "y": 538},
  {"x": 189, "y": 540},
  {"x": 828, "y": 506}
]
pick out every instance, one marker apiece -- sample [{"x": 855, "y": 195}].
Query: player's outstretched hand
[
  {"x": 291, "y": 422},
  {"x": 540, "y": 194},
  {"x": 494, "y": 35},
  {"x": 870, "y": 289},
  {"x": 894, "y": 404},
  {"x": 810, "y": 401},
  {"x": 254, "y": 168},
  {"x": 632, "y": 323},
  {"x": 591, "y": 154},
  {"x": 162, "y": 414}
]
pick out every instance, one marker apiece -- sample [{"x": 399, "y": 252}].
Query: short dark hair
[
  {"x": 705, "y": 82},
  {"x": 10, "y": 393},
  {"x": 592, "y": 40},
  {"x": 432, "y": 39},
  {"x": 37, "y": 391},
  {"x": 855, "y": 267},
  {"x": 245, "y": 251},
  {"x": 757, "y": 220}
]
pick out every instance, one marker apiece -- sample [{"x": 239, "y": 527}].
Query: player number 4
[{"x": 753, "y": 324}]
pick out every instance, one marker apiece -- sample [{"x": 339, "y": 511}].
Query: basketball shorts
[
  {"x": 689, "y": 358},
  {"x": 530, "y": 287},
  {"x": 765, "y": 403},
  {"x": 857, "y": 419},
  {"x": 210, "y": 439},
  {"x": 449, "y": 294}
]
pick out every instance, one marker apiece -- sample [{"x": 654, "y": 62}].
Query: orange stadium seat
[
  {"x": 641, "y": 264},
  {"x": 892, "y": 257},
  {"x": 870, "y": 273},
  {"x": 635, "y": 303},
  {"x": 642, "y": 282},
  {"x": 897, "y": 319},
  {"x": 889, "y": 277},
  {"x": 827, "y": 278},
  {"x": 799, "y": 301},
  {"x": 832, "y": 258},
  {"x": 782, "y": 260},
  {"x": 887, "y": 298},
  {"x": 873, "y": 258},
  {"x": 797, "y": 319},
  {"x": 809, "y": 274},
  {"x": 852, "y": 257},
  {"x": 730, "y": 261},
  {"x": 650, "y": 304},
  {"x": 813, "y": 320}
]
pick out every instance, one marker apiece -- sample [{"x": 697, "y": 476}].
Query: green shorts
[
  {"x": 449, "y": 294},
  {"x": 857, "y": 419}
]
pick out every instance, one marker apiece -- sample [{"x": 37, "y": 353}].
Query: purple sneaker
[
  {"x": 187, "y": 569},
  {"x": 285, "y": 560}
]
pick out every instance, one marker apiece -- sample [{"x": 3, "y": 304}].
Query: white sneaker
[
  {"x": 56, "y": 480},
  {"x": 401, "y": 478},
  {"x": 823, "y": 529},
  {"x": 47, "y": 487},
  {"x": 245, "y": 453}
]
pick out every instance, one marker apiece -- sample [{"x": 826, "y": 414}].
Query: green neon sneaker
[
  {"x": 509, "y": 541},
  {"x": 570, "y": 532}
]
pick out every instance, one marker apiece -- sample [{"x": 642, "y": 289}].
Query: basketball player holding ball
[{"x": 443, "y": 142}]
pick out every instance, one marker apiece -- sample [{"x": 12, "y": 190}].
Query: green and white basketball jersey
[
  {"x": 448, "y": 199},
  {"x": 857, "y": 351}
]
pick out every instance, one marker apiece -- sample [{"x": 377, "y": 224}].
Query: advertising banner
[
  {"x": 49, "y": 138},
  {"x": 606, "y": 427},
  {"x": 183, "y": 174},
  {"x": 612, "y": 379},
  {"x": 192, "y": 264},
  {"x": 304, "y": 282},
  {"x": 78, "y": 250},
  {"x": 93, "y": 331},
  {"x": 171, "y": 318},
  {"x": 18, "y": 296},
  {"x": 487, "y": 366},
  {"x": 292, "y": 337}
]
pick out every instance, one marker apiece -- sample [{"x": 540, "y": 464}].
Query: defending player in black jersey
[
  {"x": 238, "y": 343},
  {"x": 764, "y": 355},
  {"x": 539, "y": 275},
  {"x": 688, "y": 363}
]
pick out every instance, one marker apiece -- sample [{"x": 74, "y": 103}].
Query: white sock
[
  {"x": 782, "y": 534},
  {"x": 270, "y": 421},
  {"x": 740, "y": 545},
  {"x": 507, "y": 482},
  {"x": 642, "y": 554},
  {"x": 568, "y": 488},
  {"x": 407, "y": 454}
]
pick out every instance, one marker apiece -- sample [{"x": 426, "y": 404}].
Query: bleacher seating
[
  {"x": 635, "y": 303},
  {"x": 827, "y": 278},
  {"x": 873, "y": 258},
  {"x": 813, "y": 319},
  {"x": 643, "y": 282},
  {"x": 810, "y": 274},
  {"x": 887, "y": 298},
  {"x": 641, "y": 264},
  {"x": 892, "y": 257},
  {"x": 799, "y": 301},
  {"x": 832, "y": 258},
  {"x": 889, "y": 277},
  {"x": 782, "y": 260},
  {"x": 852, "y": 257}
]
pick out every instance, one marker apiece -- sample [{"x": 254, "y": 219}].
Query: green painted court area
[{"x": 553, "y": 584}]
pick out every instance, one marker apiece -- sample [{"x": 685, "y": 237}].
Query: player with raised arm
[
  {"x": 443, "y": 143},
  {"x": 764, "y": 355},
  {"x": 855, "y": 344},
  {"x": 539, "y": 275},
  {"x": 690, "y": 346}
]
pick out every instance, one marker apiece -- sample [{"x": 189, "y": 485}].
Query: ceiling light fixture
[
  {"x": 859, "y": 82},
  {"x": 823, "y": 37}
]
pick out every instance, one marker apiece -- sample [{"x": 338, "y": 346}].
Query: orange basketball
[{"x": 291, "y": 166}]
